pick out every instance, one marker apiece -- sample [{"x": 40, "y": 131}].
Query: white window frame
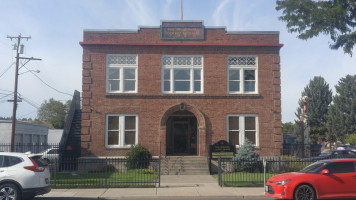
[
  {"x": 121, "y": 67},
  {"x": 121, "y": 130},
  {"x": 242, "y": 128},
  {"x": 242, "y": 68},
  {"x": 171, "y": 67}
]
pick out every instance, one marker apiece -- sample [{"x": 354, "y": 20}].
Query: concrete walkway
[{"x": 171, "y": 186}]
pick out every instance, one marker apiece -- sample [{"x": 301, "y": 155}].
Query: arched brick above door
[{"x": 203, "y": 150}]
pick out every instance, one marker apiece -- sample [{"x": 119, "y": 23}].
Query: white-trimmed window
[
  {"x": 182, "y": 74},
  {"x": 242, "y": 74},
  {"x": 121, "y": 73},
  {"x": 121, "y": 130},
  {"x": 242, "y": 127}
]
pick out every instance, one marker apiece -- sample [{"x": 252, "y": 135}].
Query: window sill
[
  {"x": 182, "y": 96},
  {"x": 117, "y": 148}
]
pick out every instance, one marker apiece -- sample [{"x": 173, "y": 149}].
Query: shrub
[
  {"x": 138, "y": 157},
  {"x": 109, "y": 168},
  {"x": 246, "y": 159},
  {"x": 146, "y": 171},
  {"x": 105, "y": 168}
]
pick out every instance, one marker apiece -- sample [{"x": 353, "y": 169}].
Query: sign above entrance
[
  {"x": 182, "y": 30},
  {"x": 222, "y": 149}
]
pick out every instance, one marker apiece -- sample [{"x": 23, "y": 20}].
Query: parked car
[
  {"x": 344, "y": 147},
  {"x": 333, "y": 179},
  {"x": 50, "y": 155},
  {"x": 333, "y": 154},
  {"x": 353, "y": 149},
  {"x": 23, "y": 176}
]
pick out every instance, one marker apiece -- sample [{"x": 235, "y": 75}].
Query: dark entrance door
[{"x": 182, "y": 135}]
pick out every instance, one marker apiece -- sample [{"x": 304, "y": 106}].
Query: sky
[{"x": 56, "y": 28}]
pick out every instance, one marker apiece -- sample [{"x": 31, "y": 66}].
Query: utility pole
[{"x": 19, "y": 50}]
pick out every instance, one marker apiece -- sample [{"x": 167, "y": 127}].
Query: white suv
[{"x": 23, "y": 176}]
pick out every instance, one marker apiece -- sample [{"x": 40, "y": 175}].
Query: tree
[
  {"x": 246, "y": 159},
  {"x": 350, "y": 139},
  {"x": 292, "y": 129},
  {"x": 342, "y": 112},
  {"x": 53, "y": 112},
  {"x": 320, "y": 96},
  {"x": 309, "y": 18}
]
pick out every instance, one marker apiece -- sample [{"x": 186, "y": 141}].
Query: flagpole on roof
[{"x": 181, "y": 10}]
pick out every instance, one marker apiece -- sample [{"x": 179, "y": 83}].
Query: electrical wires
[{"x": 2, "y": 73}]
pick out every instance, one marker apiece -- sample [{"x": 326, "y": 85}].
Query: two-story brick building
[{"x": 178, "y": 88}]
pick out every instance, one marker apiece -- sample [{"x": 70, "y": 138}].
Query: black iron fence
[
  {"x": 302, "y": 150},
  {"x": 103, "y": 172},
  {"x": 33, "y": 148},
  {"x": 74, "y": 172},
  {"x": 255, "y": 172}
]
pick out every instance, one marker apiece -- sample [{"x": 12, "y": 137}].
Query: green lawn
[
  {"x": 132, "y": 178},
  {"x": 243, "y": 179}
]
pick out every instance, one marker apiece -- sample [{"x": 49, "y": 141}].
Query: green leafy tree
[
  {"x": 309, "y": 18},
  {"x": 342, "y": 115},
  {"x": 350, "y": 139},
  {"x": 320, "y": 96},
  {"x": 290, "y": 128},
  {"x": 53, "y": 112}
]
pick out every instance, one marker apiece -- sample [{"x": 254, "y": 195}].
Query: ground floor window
[
  {"x": 121, "y": 130},
  {"x": 241, "y": 128}
]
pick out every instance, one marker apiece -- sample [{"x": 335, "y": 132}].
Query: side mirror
[{"x": 325, "y": 171}]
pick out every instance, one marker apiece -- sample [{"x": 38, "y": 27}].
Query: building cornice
[{"x": 179, "y": 44}]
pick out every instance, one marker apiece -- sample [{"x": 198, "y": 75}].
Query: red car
[{"x": 326, "y": 179}]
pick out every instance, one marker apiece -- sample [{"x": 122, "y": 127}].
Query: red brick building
[{"x": 178, "y": 88}]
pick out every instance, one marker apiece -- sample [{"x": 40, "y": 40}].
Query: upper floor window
[
  {"x": 121, "y": 130},
  {"x": 241, "y": 128},
  {"x": 182, "y": 74},
  {"x": 121, "y": 73},
  {"x": 242, "y": 74}
]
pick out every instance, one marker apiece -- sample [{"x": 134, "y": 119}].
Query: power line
[
  {"x": 6, "y": 70},
  {"x": 49, "y": 85},
  {"x": 5, "y": 95},
  {"x": 31, "y": 103},
  {"x": 6, "y": 90}
]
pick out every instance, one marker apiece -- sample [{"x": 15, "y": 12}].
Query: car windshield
[
  {"x": 314, "y": 168},
  {"x": 326, "y": 153}
]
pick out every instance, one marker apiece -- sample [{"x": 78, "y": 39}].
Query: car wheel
[
  {"x": 9, "y": 192},
  {"x": 304, "y": 192}
]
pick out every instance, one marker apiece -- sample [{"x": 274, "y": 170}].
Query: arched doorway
[
  {"x": 186, "y": 117},
  {"x": 182, "y": 134}
]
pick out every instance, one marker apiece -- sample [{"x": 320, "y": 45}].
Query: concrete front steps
[{"x": 184, "y": 165}]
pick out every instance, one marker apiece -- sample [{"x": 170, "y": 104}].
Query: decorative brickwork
[{"x": 153, "y": 107}]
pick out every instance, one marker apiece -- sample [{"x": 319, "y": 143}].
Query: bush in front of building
[
  {"x": 138, "y": 157},
  {"x": 246, "y": 159}
]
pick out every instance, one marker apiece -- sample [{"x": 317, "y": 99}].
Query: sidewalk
[{"x": 171, "y": 186}]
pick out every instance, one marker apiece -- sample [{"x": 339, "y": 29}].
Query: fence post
[
  {"x": 264, "y": 172},
  {"x": 55, "y": 173},
  {"x": 219, "y": 171},
  {"x": 159, "y": 165},
  {"x": 106, "y": 171}
]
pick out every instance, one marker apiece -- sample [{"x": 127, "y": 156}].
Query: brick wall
[{"x": 151, "y": 105}]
